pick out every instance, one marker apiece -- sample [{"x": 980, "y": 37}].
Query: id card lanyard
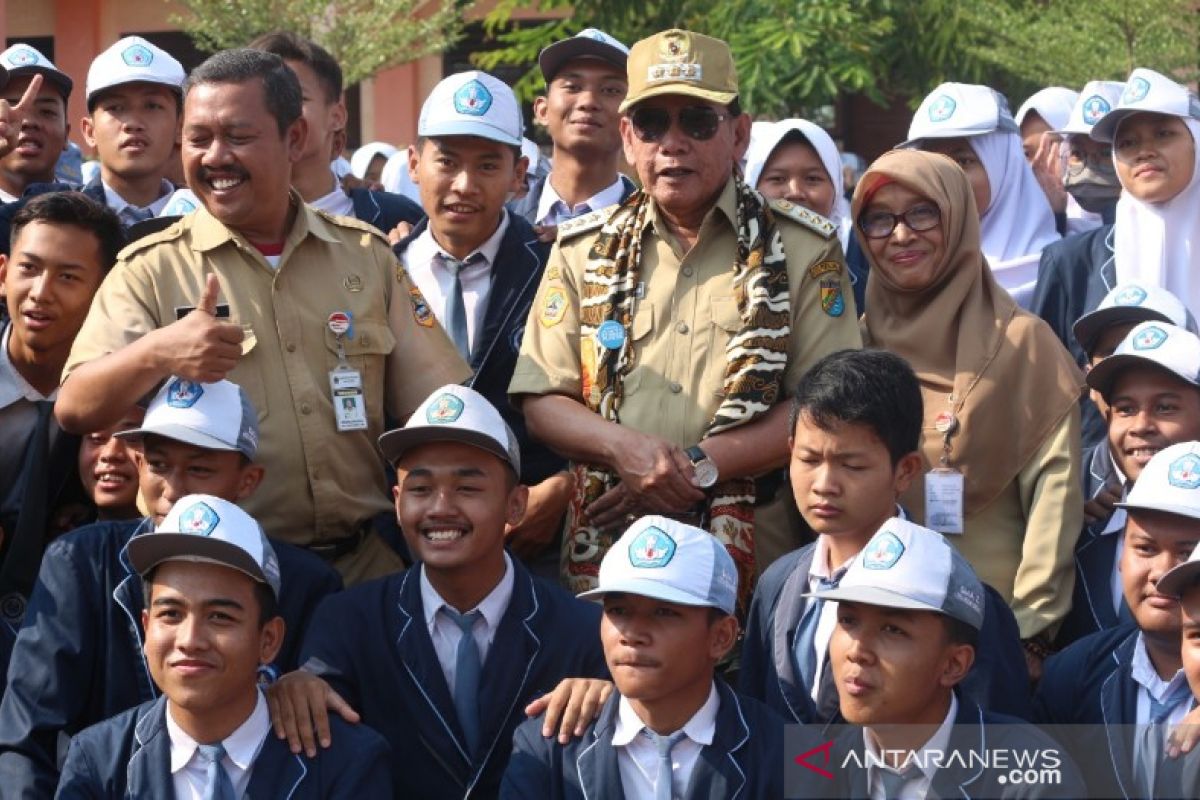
[
  {"x": 345, "y": 382},
  {"x": 943, "y": 483}
]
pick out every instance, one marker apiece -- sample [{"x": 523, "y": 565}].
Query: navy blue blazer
[
  {"x": 965, "y": 776},
  {"x": 744, "y": 762},
  {"x": 78, "y": 658},
  {"x": 515, "y": 278},
  {"x": 129, "y": 756},
  {"x": 998, "y": 680},
  {"x": 1095, "y": 553},
  {"x": 384, "y": 210},
  {"x": 385, "y": 666},
  {"x": 1091, "y": 683}
]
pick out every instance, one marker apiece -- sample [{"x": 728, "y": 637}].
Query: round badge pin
[
  {"x": 611, "y": 334},
  {"x": 339, "y": 323},
  {"x": 945, "y": 422}
]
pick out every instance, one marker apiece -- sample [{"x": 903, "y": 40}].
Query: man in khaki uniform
[
  {"x": 281, "y": 299},
  {"x": 666, "y": 333}
]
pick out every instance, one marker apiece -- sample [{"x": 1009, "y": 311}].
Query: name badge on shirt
[
  {"x": 944, "y": 500},
  {"x": 349, "y": 406}
]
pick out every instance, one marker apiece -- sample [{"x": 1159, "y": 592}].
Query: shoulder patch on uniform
[
  {"x": 809, "y": 219},
  {"x": 824, "y": 268},
  {"x": 353, "y": 223},
  {"x": 167, "y": 234},
  {"x": 588, "y": 222}
]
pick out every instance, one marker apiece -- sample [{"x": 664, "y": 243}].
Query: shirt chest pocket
[
  {"x": 639, "y": 332},
  {"x": 726, "y": 322},
  {"x": 249, "y": 374},
  {"x": 366, "y": 351}
]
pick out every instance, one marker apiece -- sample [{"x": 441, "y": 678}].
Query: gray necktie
[
  {"x": 894, "y": 782},
  {"x": 467, "y": 667},
  {"x": 456, "y": 308},
  {"x": 217, "y": 784},
  {"x": 663, "y": 777},
  {"x": 131, "y": 215}
]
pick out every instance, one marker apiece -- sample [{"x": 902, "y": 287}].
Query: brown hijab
[{"x": 998, "y": 369}]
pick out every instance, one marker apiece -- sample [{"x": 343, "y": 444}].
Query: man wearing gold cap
[{"x": 668, "y": 329}]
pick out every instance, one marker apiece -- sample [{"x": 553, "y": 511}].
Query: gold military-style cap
[{"x": 681, "y": 62}]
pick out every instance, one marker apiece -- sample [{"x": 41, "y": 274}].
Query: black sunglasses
[
  {"x": 880, "y": 224},
  {"x": 699, "y": 122}
]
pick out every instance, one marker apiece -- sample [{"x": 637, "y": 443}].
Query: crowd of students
[{"x": 677, "y": 458}]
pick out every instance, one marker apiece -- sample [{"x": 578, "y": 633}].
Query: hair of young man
[
  {"x": 281, "y": 87},
  {"x": 420, "y": 145},
  {"x": 268, "y": 604},
  {"x": 293, "y": 47},
  {"x": 866, "y": 387},
  {"x": 959, "y": 632},
  {"x": 80, "y": 211}
]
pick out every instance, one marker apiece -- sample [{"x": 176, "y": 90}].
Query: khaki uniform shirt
[
  {"x": 319, "y": 484},
  {"x": 686, "y": 317}
]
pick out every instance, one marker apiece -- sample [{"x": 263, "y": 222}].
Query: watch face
[{"x": 706, "y": 473}]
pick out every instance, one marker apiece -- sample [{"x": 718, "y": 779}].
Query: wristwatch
[{"x": 706, "y": 468}]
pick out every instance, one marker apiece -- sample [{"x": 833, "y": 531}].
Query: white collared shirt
[
  {"x": 5, "y": 197},
  {"x": 434, "y": 280},
  {"x": 119, "y": 204},
  {"x": 637, "y": 754},
  {"x": 241, "y": 748},
  {"x": 828, "y": 621},
  {"x": 1150, "y": 685},
  {"x": 336, "y": 202},
  {"x": 446, "y": 634},
  {"x": 925, "y": 761},
  {"x": 553, "y": 210}
]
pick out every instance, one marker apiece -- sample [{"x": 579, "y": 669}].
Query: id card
[
  {"x": 944, "y": 500},
  {"x": 349, "y": 406}
]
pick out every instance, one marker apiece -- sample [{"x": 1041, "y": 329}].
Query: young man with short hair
[
  {"x": 324, "y": 109},
  {"x": 1132, "y": 674},
  {"x": 108, "y": 470},
  {"x": 1138, "y": 426},
  {"x": 479, "y": 266},
  {"x": 78, "y": 658},
  {"x": 446, "y": 701},
  {"x": 212, "y": 585},
  {"x": 856, "y": 425},
  {"x": 134, "y": 105},
  {"x": 42, "y": 133},
  {"x": 672, "y": 729},
  {"x": 910, "y": 613}
]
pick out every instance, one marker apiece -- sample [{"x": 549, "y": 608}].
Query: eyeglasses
[
  {"x": 919, "y": 218},
  {"x": 1100, "y": 160},
  {"x": 699, "y": 122}
]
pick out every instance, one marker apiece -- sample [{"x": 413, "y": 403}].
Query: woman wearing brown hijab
[{"x": 1001, "y": 393}]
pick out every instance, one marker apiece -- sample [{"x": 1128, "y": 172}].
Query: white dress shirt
[
  {"x": 336, "y": 202},
  {"x": 637, "y": 754},
  {"x": 445, "y": 632},
  {"x": 828, "y": 621},
  {"x": 241, "y": 748},
  {"x": 421, "y": 259},
  {"x": 926, "y": 762},
  {"x": 553, "y": 210},
  {"x": 119, "y": 204},
  {"x": 1150, "y": 685}
]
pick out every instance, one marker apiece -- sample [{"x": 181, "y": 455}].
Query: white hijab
[
  {"x": 395, "y": 177},
  {"x": 363, "y": 156},
  {"x": 1158, "y": 243},
  {"x": 764, "y": 138},
  {"x": 1018, "y": 223}
]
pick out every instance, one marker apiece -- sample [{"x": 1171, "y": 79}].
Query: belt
[{"x": 334, "y": 549}]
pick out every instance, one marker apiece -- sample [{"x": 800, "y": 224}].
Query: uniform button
[
  {"x": 687, "y": 272},
  {"x": 676, "y": 388},
  {"x": 305, "y": 408},
  {"x": 682, "y": 327},
  {"x": 291, "y": 347}
]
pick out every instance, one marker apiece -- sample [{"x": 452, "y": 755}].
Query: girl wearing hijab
[
  {"x": 973, "y": 126},
  {"x": 796, "y": 160},
  {"x": 1155, "y": 136},
  {"x": 1001, "y": 432},
  {"x": 368, "y": 161}
]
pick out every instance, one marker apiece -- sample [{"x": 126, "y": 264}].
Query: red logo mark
[{"x": 824, "y": 749}]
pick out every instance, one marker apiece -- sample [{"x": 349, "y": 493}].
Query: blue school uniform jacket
[
  {"x": 78, "y": 658},
  {"x": 372, "y": 645},
  {"x": 516, "y": 274},
  {"x": 744, "y": 762},
  {"x": 129, "y": 756},
  {"x": 384, "y": 210},
  {"x": 964, "y": 776},
  {"x": 1091, "y": 683},
  {"x": 998, "y": 680}
]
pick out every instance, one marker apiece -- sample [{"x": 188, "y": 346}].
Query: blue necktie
[
  {"x": 663, "y": 776},
  {"x": 467, "y": 667},
  {"x": 1151, "y": 753},
  {"x": 131, "y": 215},
  {"x": 894, "y": 782},
  {"x": 217, "y": 784},
  {"x": 456, "y": 307},
  {"x": 804, "y": 645}
]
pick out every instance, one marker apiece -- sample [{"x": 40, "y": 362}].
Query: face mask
[{"x": 1094, "y": 190}]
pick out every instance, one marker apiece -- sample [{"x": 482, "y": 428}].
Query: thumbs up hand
[{"x": 200, "y": 347}]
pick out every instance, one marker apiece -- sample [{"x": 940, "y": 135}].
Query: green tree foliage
[{"x": 365, "y": 36}]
